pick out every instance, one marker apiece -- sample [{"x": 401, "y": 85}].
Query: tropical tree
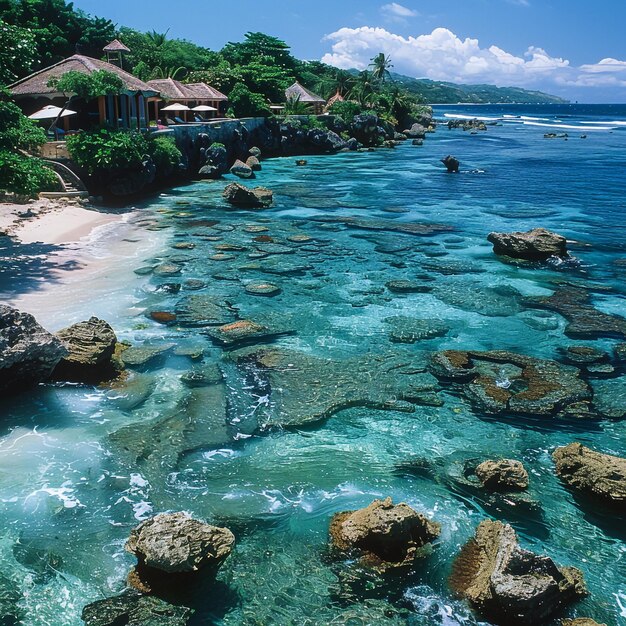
[
  {"x": 380, "y": 65},
  {"x": 365, "y": 88},
  {"x": 246, "y": 103},
  {"x": 17, "y": 52}
]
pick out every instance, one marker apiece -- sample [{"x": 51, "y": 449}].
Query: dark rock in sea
[
  {"x": 193, "y": 284},
  {"x": 601, "y": 476},
  {"x": 411, "y": 330},
  {"x": 172, "y": 544},
  {"x": 140, "y": 356},
  {"x": 609, "y": 397},
  {"x": 417, "y": 142},
  {"x": 254, "y": 151},
  {"x": 417, "y": 131},
  {"x": 304, "y": 389},
  {"x": 133, "y": 181},
  {"x": 133, "y": 609},
  {"x": 301, "y": 162},
  {"x": 262, "y": 288},
  {"x": 204, "y": 310},
  {"x": 509, "y": 585},
  {"x": 240, "y": 169},
  {"x": 584, "y": 320},
  {"x": 245, "y": 332},
  {"x": 535, "y": 245},
  {"x": 584, "y": 355},
  {"x": 28, "y": 352},
  {"x": 162, "y": 317},
  {"x": 209, "y": 172},
  {"x": 203, "y": 376},
  {"x": 239, "y": 195},
  {"x": 500, "y": 382},
  {"x": 468, "y": 295},
  {"x": 382, "y": 534},
  {"x": 407, "y": 286},
  {"x": 452, "y": 164},
  {"x": 253, "y": 163},
  {"x": 144, "y": 271},
  {"x": 502, "y": 475},
  {"x": 407, "y": 228},
  {"x": 91, "y": 346}
]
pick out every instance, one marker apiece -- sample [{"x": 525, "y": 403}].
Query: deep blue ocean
[{"x": 71, "y": 491}]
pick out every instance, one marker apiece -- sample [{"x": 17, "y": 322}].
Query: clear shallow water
[{"x": 70, "y": 495}]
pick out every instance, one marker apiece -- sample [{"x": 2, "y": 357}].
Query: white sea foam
[
  {"x": 472, "y": 117},
  {"x": 567, "y": 126},
  {"x": 612, "y": 122}
]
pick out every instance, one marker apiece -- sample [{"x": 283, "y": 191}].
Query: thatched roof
[
  {"x": 202, "y": 91},
  {"x": 174, "y": 90},
  {"x": 302, "y": 93},
  {"x": 37, "y": 84},
  {"x": 116, "y": 46}
]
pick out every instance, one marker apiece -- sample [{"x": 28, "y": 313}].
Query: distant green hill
[{"x": 435, "y": 92}]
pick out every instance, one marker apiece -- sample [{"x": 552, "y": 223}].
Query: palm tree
[
  {"x": 177, "y": 73},
  {"x": 157, "y": 39},
  {"x": 380, "y": 67},
  {"x": 343, "y": 82},
  {"x": 364, "y": 89},
  {"x": 294, "y": 106}
]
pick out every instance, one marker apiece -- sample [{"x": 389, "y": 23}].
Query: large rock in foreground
[
  {"x": 132, "y": 609},
  {"x": 239, "y": 195},
  {"x": 509, "y": 585},
  {"x": 538, "y": 244},
  {"x": 501, "y": 382},
  {"x": 91, "y": 346},
  {"x": 175, "y": 543},
  {"x": 28, "y": 352},
  {"x": 601, "y": 476},
  {"x": 385, "y": 535}
]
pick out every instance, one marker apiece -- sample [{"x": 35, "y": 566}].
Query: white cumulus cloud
[{"x": 442, "y": 55}]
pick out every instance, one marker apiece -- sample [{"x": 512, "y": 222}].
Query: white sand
[{"x": 53, "y": 222}]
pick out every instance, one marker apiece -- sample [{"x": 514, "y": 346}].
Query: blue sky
[{"x": 568, "y": 47}]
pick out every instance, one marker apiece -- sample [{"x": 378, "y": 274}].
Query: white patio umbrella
[
  {"x": 176, "y": 107},
  {"x": 50, "y": 112},
  {"x": 204, "y": 107}
]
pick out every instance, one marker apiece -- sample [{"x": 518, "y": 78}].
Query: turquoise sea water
[{"x": 70, "y": 493}]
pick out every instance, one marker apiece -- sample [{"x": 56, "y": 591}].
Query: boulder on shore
[
  {"x": 452, "y": 164},
  {"x": 28, "y": 352},
  {"x": 132, "y": 609},
  {"x": 174, "y": 543},
  {"x": 239, "y": 195},
  {"x": 509, "y": 585},
  {"x": 537, "y": 244},
  {"x": 384, "y": 534},
  {"x": 91, "y": 346},
  {"x": 601, "y": 476},
  {"x": 253, "y": 163},
  {"x": 503, "y": 475}
]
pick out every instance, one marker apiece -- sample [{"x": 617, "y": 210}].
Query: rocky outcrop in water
[
  {"x": 600, "y": 476},
  {"x": 417, "y": 131},
  {"x": 584, "y": 321},
  {"x": 538, "y": 244},
  {"x": 239, "y": 195},
  {"x": 91, "y": 346},
  {"x": 383, "y": 534},
  {"x": 452, "y": 164},
  {"x": 28, "y": 352},
  {"x": 302, "y": 388},
  {"x": 133, "y": 609},
  {"x": 500, "y": 382},
  {"x": 245, "y": 332},
  {"x": 580, "y": 621},
  {"x": 240, "y": 169},
  {"x": 172, "y": 544},
  {"x": 509, "y": 585},
  {"x": 502, "y": 475}
]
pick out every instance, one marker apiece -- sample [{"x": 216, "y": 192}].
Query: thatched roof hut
[
  {"x": 171, "y": 89},
  {"x": 36, "y": 85},
  {"x": 116, "y": 46},
  {"x": 303, "y": 94}
]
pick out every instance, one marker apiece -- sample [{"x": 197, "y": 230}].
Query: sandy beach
[{"x": 51, "y": 221}]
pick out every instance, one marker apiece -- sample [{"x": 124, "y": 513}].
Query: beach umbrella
[
  {"x": 50, "y": 112},
  {"x": 176, "y": 107},
  {"x": 204, "y": 107}
]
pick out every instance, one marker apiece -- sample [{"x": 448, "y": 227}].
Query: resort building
[
  {"x": 127, "y": 109},
  {"x": 302, "y": 94},
  {"x": 202, "y": 100}
]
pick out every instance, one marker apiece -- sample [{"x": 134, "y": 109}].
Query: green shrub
[
  {"x": 346, "y": 110},
  {"x": 247, "y": 103},
  {"x": 17, "y": 132},
  {"x": 107, "y": 150},
  {"x": 25, "y": 175},
  {"x": 165, "y": 154}
]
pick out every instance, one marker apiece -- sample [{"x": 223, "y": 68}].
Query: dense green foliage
[
  {"x": 20, "y": 173},
  {"x": 17, "y": 52},
  {"x": 105, "y": 150},
  {"x": 246, "y": 103},
  {"x": 87, "y": 86},
  {"x": 25, "y": 175},
  {"x": 58, "y": 28}
]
